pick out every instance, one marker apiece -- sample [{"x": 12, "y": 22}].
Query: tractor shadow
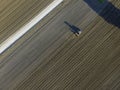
[{"x": 74, "y": 29}]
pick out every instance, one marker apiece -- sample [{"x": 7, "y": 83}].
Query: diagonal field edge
[{"x": 14, "y": 37}]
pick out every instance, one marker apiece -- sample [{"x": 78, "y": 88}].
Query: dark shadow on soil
[{"x": 106, "y": 10}]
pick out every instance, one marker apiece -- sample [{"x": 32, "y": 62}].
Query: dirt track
[{"x": 16, "y": 13}]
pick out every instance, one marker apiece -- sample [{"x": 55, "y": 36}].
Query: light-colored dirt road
[{"x": 16, "y": 13}]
